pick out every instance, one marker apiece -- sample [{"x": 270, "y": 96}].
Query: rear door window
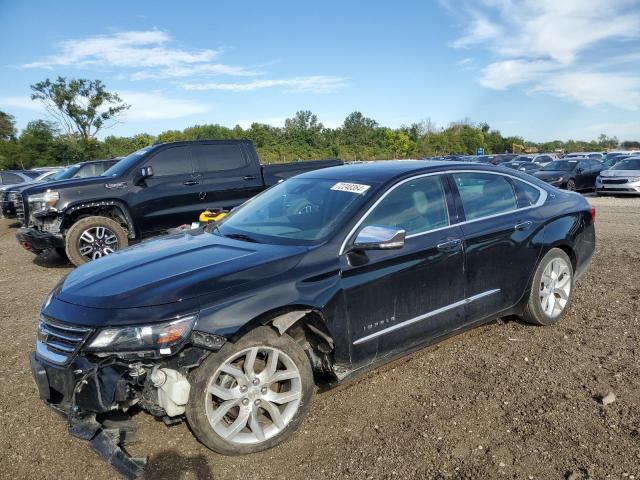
[
  {"x": 171, "y": 161},
  {"x": 484, "y": 194},
  {"x": 218, "y": 158}
]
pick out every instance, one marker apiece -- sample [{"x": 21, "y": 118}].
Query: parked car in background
[
  {"x": 316, "y": 280},
  {"x": 623, "y": 178},
  {"x": 591, "y": 155},
  {"x": 9, "y": 195},
  {"x": 523, "y": 166},
  {"x": 571, "y": 174},
  {"x": 502, "y": 158},
  {"x": 611, "y": 158},
  {"x": 16, "y": 177},
  {"x": 154, "y": 189}
]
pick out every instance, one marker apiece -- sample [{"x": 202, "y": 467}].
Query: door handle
[
  {"x": 249, "y": 177},
  {"x": 191, "y": 182},
  {"x": 523, "y": 225},
  {"x": 449, "y": 245}
]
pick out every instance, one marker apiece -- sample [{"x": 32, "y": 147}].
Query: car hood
[
  {"x": 620, "y": 173},
  {"x": 173, "y": 269},
  {"x": 64, "y": 184},
  {"x": 549, "y": 174}
]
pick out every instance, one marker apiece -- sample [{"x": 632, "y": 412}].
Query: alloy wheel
[
  {"x": 253, "y": 395},
  {"x": 555, "y": 287},
  {"x": 96, "y": 242}
]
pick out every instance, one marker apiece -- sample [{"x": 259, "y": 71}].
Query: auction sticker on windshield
[{"x": 351, "y": 187}]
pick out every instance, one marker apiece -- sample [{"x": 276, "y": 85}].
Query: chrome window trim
[
  {"x": 424, "y": 316},
  {"x": 541, "y": 200}
]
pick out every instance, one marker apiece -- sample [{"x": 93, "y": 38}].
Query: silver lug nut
[
  {"x": 243, "y": 388},
  {"x": 263, "y": 390},
  {"x": 245, "y": 401},
  {"x": 255, "y": 381},
  {"x": 257, "y": 402}
]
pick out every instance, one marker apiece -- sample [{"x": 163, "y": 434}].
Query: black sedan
[
  {"x": 573, "y": 174},
  {"x": 317, "y": 279}
]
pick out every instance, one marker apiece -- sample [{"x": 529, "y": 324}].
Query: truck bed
[{"x": 273, "y": 173}]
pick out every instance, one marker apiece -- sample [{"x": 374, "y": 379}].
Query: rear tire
[
  {"x": 94, "y": 237},
  {"x": 232, "y": 412},
  {"x": 571, "y": 185},
  {"x": 551, "y": 289}
]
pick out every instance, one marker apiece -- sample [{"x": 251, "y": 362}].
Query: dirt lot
[{"x": 503, "y": 401}]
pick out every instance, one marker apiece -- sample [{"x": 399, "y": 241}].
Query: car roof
[{"x": 382, "y": 171}]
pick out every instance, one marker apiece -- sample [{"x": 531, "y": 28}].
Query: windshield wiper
[{"x": 241, "y": 236}]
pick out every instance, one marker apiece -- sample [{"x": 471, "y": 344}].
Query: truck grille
[
  {"x": 4, "y": 195},
  {"x": 616, "y": 181},
  {"x": 7, "y": 203},
  {"x": 58, "y": 342},
  {"x": 19, "y": 206}
]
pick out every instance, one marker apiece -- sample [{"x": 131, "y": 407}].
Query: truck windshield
[
  {"x": 126, "y": 163},
  {"x": 298, "y": 211}
]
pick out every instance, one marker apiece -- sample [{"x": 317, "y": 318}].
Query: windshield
[
  {"x": 298, "y": 211},
  {"x": 126, "y": 163},
  {"x": 522, "y": 158},
  {"x": 45, "y": 175},
  {"x": 628, "y": 164},
  {"x": 67, "y": 173},
  {"x": 560, "y": 166}
]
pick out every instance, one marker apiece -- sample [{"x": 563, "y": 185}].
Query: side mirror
[
  {"x": 146, "y": 172},
  {"x": 379, "y": 237}
]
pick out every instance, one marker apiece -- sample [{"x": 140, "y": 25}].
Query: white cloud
[
  {"x": 592, "y": 89},
  {"x": 313, "y": 84},
  {"x": 24, "y": 103},
  {"x": 148, "y": 54},
  {"x": 553, "y": 46},
  {"x": 145, "y": 106},
  {"x": 149, "y": 106}
]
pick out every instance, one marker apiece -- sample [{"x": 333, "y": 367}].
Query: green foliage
[
  {"x": 80, "y": 106},
  {"x": 303, "y": 137},
  {"x": 7, "y": 127}
]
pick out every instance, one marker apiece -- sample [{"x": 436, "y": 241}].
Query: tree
[
  {"x": 80, "y": 106},
  {"x": 37, "y": 141},
  {"x": 7, "y": 127}
]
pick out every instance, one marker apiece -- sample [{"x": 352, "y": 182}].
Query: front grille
[
  {"x": 614, "y": 181},
  {"x": 7, "y": 203},
  {"x": 3, "y": 202},
  {"x": 21, "y": 211},
  {"x": 58, "y": 342}
]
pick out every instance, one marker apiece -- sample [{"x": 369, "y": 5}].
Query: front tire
[
  {"x": 251, "y": 395},
  {"x": 94, "y": 237},
  {"x": 551, "y": 289}
]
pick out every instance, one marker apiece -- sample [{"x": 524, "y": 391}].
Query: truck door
[
  {"x": 170, "y": 197},
  {"x": 227, "y": 173}
]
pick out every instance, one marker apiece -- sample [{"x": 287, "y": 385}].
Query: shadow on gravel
[
  {"x": 50, "y": 259},
  {"x": 171, "y": 465}
]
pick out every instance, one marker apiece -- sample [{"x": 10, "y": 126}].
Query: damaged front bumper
[
  {"x": 95, "y": 396},
  {"x": 37, "y": 240}
]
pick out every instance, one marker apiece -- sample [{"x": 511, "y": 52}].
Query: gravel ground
[{"x": 505, "y": 400}]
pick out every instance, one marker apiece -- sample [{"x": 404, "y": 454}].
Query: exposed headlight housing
[
  {"x": 43, "y": 201},
  {"x": 633, "y": 179},
  {"x": 159, "y": 337}
]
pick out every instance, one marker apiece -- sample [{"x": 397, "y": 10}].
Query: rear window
[
  {"x": 529, "y": 194},
  {"x": 9, "y": 178},
  {"x": 32, "y": 173},
  {"x": 216, "y": 158}
]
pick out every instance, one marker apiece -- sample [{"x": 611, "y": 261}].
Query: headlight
[
  {"x": 49, "y": 197},
  {"x": 43, "y": 201},
  {"x": 633, "y": 179},
  {"x": 160, "y": 336}
]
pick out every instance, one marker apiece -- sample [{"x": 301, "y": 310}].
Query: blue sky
[{"x": 544, "y": 69}]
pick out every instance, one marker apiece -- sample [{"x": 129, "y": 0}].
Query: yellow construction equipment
[{"x": 517, "y": 148}]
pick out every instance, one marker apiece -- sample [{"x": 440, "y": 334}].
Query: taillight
[{"x": 592, "y": 211}]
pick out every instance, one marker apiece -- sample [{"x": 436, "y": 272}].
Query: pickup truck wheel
[
  {"x": 94, "y": 237},
  {"x": 251, "y": 395},
  {"x": 551, "y": 289}
]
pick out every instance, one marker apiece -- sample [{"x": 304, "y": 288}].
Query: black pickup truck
[{"x": 149, "y": 191}]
